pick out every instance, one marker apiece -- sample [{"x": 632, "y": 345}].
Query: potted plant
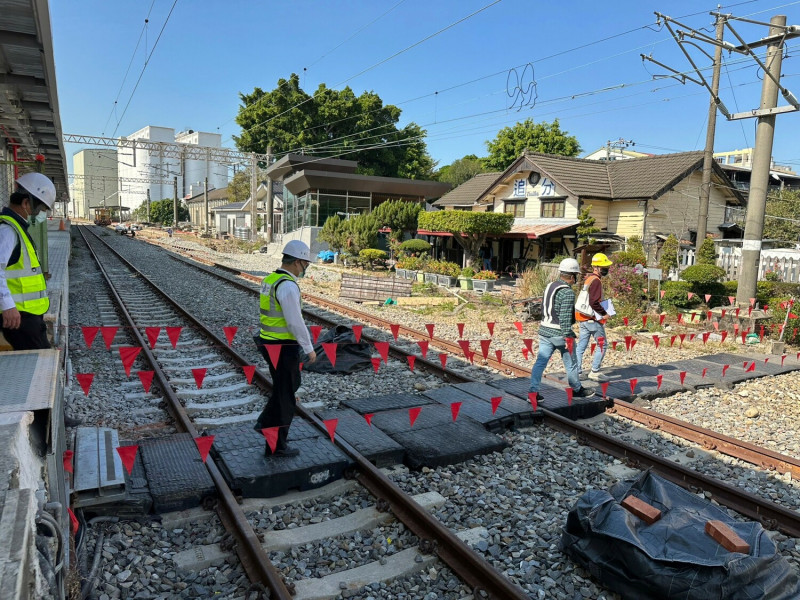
[
  {"x": 465, "y": 279},
  {"x": 448, "y": 274},
  {"x": 400, "y": 268},
  {"x": 431, "y": 271},
  {"x": 484, "y": 281}
]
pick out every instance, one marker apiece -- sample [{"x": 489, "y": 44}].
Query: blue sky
[{"x": 599, "y": 90}]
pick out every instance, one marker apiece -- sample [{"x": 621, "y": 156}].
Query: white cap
[
  {"x": 569, "y": 265},
  {"x": 39, "y": 186},
  {"x": 297, "y": 249}
]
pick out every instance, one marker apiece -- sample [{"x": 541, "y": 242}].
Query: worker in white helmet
[{"x": 282, "y": 325}]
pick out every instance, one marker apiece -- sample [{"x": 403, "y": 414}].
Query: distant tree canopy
[
  {"x": 333, "y": 123},
  {"x": 399, "y": 216},
  {"x": 161, "y": 211},
  {"x": 239, "y": 185},
  {"x": 511, "y": 142},
  {"x": 461, "y": 170},
  {"x": 785, "y": 205},
  {"x": 469, "y": 228}
]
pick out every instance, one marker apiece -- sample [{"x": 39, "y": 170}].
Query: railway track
[
  {"x": 434, "y": 536},
  {"x": 771, "y": 515}
]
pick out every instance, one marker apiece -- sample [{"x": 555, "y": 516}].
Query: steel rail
[
  {"x": 709, "y": 439},
  {"x": 252, "y": 555},
  {"x": 435, "y": 537},
  {"x": 770, "y": 514}
]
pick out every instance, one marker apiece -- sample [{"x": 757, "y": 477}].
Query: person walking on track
[
  {"x": 282, "y": 325},
  {"x": 558, "y": 308},
  {"x": 594, "y": 325}
]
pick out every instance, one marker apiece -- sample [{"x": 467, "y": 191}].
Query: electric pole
[
  {"x": 708, "y": 155},
  {"x": 205, "y": 203},
  {"x": 175, "y": 202},
  {"x": 148, "y": 203},
  {"x": 270, "y": 200},
  {"x": 253, "y": 197}
]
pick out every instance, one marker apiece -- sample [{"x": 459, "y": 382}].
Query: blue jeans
[
  {"x": 587, "y": 329},
  {"x": 547, "y": 346}
]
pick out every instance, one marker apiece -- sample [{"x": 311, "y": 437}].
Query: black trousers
[
  {"x": 280, "y": 407},
  {"x": 31, "y": 335}
]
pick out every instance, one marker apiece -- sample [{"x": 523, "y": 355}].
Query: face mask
[
  {"x": 301, "y": 274},
  {"x": 40, "y": 217},
  {"x": 604, "y": 271}
]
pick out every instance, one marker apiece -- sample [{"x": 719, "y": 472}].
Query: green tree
[
  {"x": 461, "y": 170},
  {"x": 782, "y": 220},
  {"x": 333, "y": 123},
  {"x": 399, "y": 216},
  {"x": 706, "y": 254},
  {"x": 669, "y": 254},
  {"x": 586, "y": 226},
  {"x": 334, "y": 233},
  {"x": 362, "y": 233},
  {"x": 161, "y": 211},
  {"x": 511, "y": 142},
  {"x": 239, "y": 185},
  {"x": 469, "y": 228}
]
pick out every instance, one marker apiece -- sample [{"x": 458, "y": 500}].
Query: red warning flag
[
  {"x": 707, "y": 297},
  {"x": 128, "y": 456},
  {"x": 592, "y": 348},
  {"x": 716, "y": 325},
  {"x": 146, "y": 377},
  {"x": 533, "y": 399},
  {"x": 300, "y": 367},
  {"x": 315, "y": 331},
  {"x": 204, "y": 445},
  {"x": 690, "y": 295},
  {"x": 357, "y": 330},
  {"x": 694, "y": 316},
  {"x": 732, "y": 299},
  {"x": 395, "y": 329},
  {"x": 73, "y": 520},
  {"x": 644, "y": 320},
  {"x": 744, "y": 336},
  {"x": 85, "y": 379},
  {"x": 495, "y": 403},
  {"x": 792, "y": 315},
  {"x": 691, "y": 337},
  {"x": 499, "y": 355},
  {"x": 709, "y": 315},
  {"x": 413, "y": 413},
  {"x": 460, "y": 329},
  {"x": 230, "y": 333},
  {"x": 704, "y": 373},
  {"x": 376, "y": 362},
  {"x": 783, "y": 358},
  {"x": 737, "y": 311},
  {"x": 128, "y": 355},
  {"x": 706, "y": 335},
  {"x": 249, "y": 371},
  {"x": 108, "y": 334},
  {"x": 633, "y": 382},
  {"x": 411, "y": 360},
  {"x": 423, "y": 347},
  {"x": 66, "y": 459},
  {"x": 455, "y": 407},
  {"x": 614, "y": 345},
  {"x": 680, "y": 318},
  {"x": 625, "y": 320},
  {"x": 661, "y": 293},
  {"x": 525, "y": 353},
  {"x": 464, "y": 347},
  {"x": 570, "y": 344},
  {"x": 683, "y": 376},
  {"x": 485, "y": 348},
  {"x": 383, "y": 350},
  {"x": 174, "y": 333},
  {"x": 633, "y": 343},
  {"x": 89, "y": 333},
  {"x": 271, "y": 435},
  {"x": 199, "y": 375},
  {"x": 518, "y": 325},
  {"x": 601, "y": 341},
  {"x": 330, "y": 351},
  {"x": 330, "y": 425},
  {"x": 471, "y": 357},
  {"x": 656, "y": 340},
  {"x": 683, "y": 337},
  {"x": 722, "y": 316},
  {"x": 430, "y": 327},
  {"x": 672, "y": 340},
  {"x": 368, "y": 418},
  {"x": 443, "y": 359},
  {"x": 273, "y": 353},
  {"x": 661, "y": 318},
  {"x": 752, "y": 367},
  {"x": 491, "y": 328},
  {"x": 628, "y": 339},
  {"x": 604, "y": 388},
  {"x": 152, "y": 334},
  {"x": 749, "y": 310},
  {"x": 752, "y": 302},
  {"x": 659, "y": 381},
  {"x": 528, "y": 344},
  {"x": 766, "y": 360},
  {"x": 725, "y": 368},
  {"x": 569, "y": 396}
]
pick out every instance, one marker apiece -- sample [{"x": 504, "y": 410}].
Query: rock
[
  {"x": 420, "y": 387},
  {"x": 751, "y": 412}
]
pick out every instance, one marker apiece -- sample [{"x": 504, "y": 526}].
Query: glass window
[
  {"x": 515, "y": 208},
  {"x": 553, "y": 210}
]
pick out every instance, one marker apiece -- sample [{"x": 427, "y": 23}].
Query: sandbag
[
  {"x": 350, "y": 355},
  {"x": 673, "y": 558}
]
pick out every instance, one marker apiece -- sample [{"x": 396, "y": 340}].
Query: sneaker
[
  {"x": 583, "y": 376},
  {"x": 583, "y": 393},
  {"x": 285, "y": 452},
  {"x": 597, "y": 376}
]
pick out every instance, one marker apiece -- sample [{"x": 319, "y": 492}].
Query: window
[
  {"x": 514, "y": 208},
  {"x": 552, "y": 209}
]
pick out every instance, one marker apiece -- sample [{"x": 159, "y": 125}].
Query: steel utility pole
[
  {"x": 148, "y": 204},
  {"x": 762, "y": 157},
  {"x": 253, "y": 197},
  {"x": 270, "y": 200},
  {"x": 175, "y": 203},
  {"x": 708, "y": 156},
  {"x": 205, "y": 204}
]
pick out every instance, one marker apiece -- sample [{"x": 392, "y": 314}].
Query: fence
[{"x": 786, "y": 263}]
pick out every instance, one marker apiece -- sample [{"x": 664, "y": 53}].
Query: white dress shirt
[
  {"x": 8, "y": 241},
  {"x": 288, "y": 297}
]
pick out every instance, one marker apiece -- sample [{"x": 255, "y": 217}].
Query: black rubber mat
[
  {"x": 177, "y": 477},
  {"x": 396, "y": 421},
  {"x": 233, "y": 437},
  {"x": 254, "y": 475},
  {"x": 302, "y": 430},
  {"x": 518, "y": 386},
  {"x": 694, "y": 373},
  {"x": 370, "y": 442},
  {"x": 519, "y": 407},
  {"x": 473, "y": 407},
  {"x": 375, "y": 404},
  {"x": 771, "y": 367},
  {"x": 553, "y": 398}
]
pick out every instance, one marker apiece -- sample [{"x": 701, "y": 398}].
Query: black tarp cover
[
  {"x": 673, "y": 558},
  {"x": 350, "y": 356}
]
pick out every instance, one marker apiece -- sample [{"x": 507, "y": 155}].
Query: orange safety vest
[{"x": 579, "y": 316}]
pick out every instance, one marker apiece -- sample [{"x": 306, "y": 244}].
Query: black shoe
[
  {"x": 72, "y": 421},
  {"x": 583, "y": 393},
  {"x": 258, "y": 427},
  {"x": 539, "y": 396},
  {"x": 285, "y": 452}
]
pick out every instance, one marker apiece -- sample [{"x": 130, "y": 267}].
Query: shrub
[
  {"x": 676, "y": 296},
  {"x": 415, "y": 247},
  {"x": 791, "y": 334},
  {"x": 370, "y": 256},
  {"x": 468, "y": 272},
  {"x": 706, "y": 254},
  {"x": 772, "y": 276},
  {"x": 450, "y": 269},
  {"x": 703, "y": 274},
  {"x": 633, "y": 255},
  {"x": 669, "y": 254},
  {"x": 485, "y": 275},
  {"x": 533, "y": 281},
  {"x": 626, "y": 288}
]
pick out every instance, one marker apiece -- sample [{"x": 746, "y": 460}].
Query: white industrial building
[
  {"x": 160, "y": 170},
  {"x": 94, "y": 181}
]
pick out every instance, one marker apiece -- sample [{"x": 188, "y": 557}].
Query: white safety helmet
[
  {"x": 569, "y": 265},
  {"x": 40, "y": 187},
  {"x": 297, "y": 249}
]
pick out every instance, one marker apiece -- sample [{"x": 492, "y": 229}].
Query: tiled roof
[
  {"x": 535, "y": 228},
  {"x": 232, "y": 206},
  {"x": 469, "y": 191},
  {"x": 651, "y": 176},
  {"x": 216, "y": 194}
]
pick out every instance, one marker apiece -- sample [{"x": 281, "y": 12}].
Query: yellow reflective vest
[
  {"x": 273, "y": 323},
  {"x": 25, "y": 278}
]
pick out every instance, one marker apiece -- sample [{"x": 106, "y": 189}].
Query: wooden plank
[{"x": 363, "y": 288}]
